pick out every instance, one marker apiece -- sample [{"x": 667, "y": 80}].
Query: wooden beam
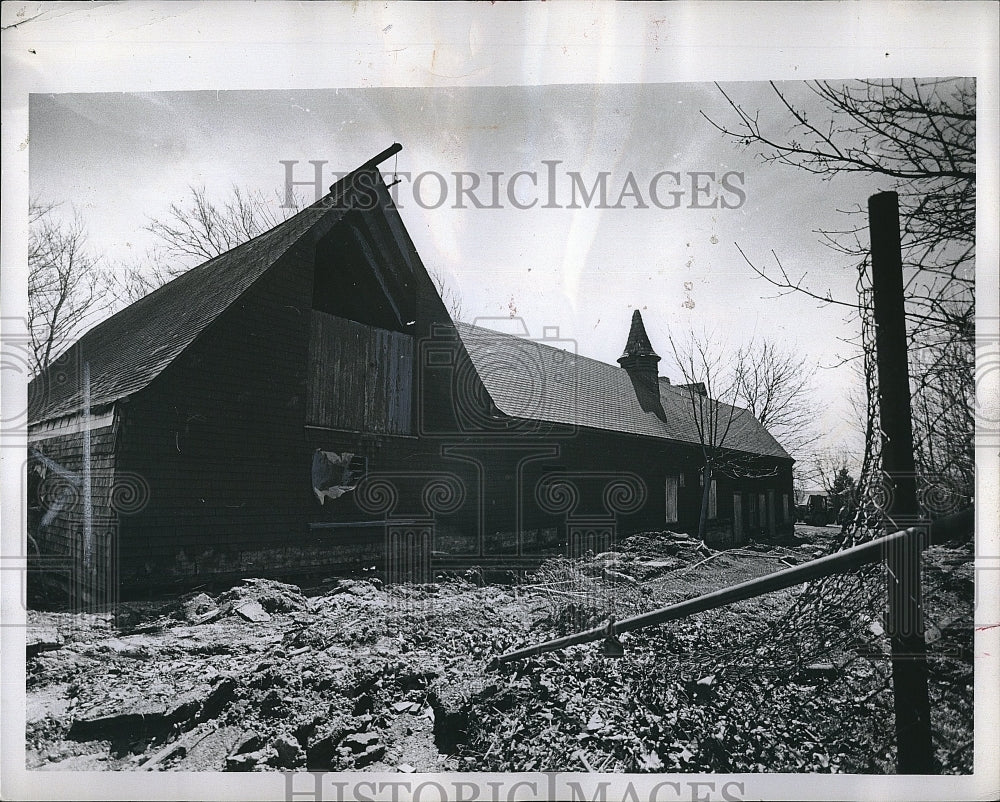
[{"x": 914, "y": 752}]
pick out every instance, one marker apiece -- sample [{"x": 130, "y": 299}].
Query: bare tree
[
  {"x": 829, "y": 462},
  {"x": 191, "y": 232},
  {"x": 713, "y": 384},
  {"x": 62, "y": 277},
  {"x": 126, "y": 282},
  {"x": 200, "y": 229},
  {"x": 451, "y": 298},
  {"x": 919, "y": 137},
  {"x": 776, "y": 388}
]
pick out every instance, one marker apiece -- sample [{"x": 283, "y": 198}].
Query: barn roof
[
  {"x": 525, "y": 379},
  {"x": 131, "y": 348},
  {"x": 128, "y": 350},
  {"x": 531, "y": 380}
]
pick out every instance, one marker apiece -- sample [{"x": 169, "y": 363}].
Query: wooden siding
[
  {"x": 225, "y": 438},
  {"x": 360, "y": 377},
  {"x": 60, "y": 566}
]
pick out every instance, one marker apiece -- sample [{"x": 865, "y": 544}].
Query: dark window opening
[{"x": 355, "y": 279}]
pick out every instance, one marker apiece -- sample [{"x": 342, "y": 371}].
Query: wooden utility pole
[{"x": 905, "y": 615}]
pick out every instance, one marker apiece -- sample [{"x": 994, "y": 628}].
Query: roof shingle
[
  {"x": 131, "y": 348},
  {"x": 531, "y": 380}
]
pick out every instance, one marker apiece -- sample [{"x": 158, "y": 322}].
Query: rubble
[
  {"x": 132, "y": 720},
  {"x": 252, "y": 610},
  {"x": 42, "y": 639},
  {"x": 288, "y": 751},
  {"x": 201, "y": 609},
  {"x": 272, "y": 596},
  {"x": 349, "y": 676}
]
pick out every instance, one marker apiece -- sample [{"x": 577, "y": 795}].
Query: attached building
[{"x": 305, "y": 401}]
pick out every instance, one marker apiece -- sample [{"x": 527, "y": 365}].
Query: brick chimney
[{"x": 639, "y": 359}]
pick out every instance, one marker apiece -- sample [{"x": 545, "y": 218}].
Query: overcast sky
[{"x": 121, "y": 159}]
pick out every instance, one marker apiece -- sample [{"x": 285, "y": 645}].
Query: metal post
[{"x": 905, "y": 615}]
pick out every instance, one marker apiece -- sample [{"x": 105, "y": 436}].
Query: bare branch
[{"x": 62, "y": 275}]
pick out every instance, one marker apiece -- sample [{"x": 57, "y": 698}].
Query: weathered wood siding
[
  {"x": 360, "y": 377},
  {"x": 58, "y": 557},
  {"x": 225, "y": 437}
]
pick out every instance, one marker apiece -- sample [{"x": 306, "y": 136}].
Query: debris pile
[{"x": 355, "y": 675}]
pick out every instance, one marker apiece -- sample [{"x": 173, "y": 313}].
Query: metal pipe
[{"x": 960, "y": 524}]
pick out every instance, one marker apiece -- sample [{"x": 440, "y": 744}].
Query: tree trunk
[{"x": 706, "y": 473}]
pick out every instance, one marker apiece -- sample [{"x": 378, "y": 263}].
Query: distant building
[{"x": 305, "y": 401}]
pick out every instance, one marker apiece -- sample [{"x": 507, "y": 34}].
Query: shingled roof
[
  {"x": 525, "y": 379},
  {"x": 530, "y": 380},
  {"x": 131, "y": 348}
]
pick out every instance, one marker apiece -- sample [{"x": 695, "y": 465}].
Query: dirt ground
[{"x": 353, "y": 675}]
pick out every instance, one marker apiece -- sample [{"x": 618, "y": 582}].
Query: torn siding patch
[{"x": 334, "y": 474}]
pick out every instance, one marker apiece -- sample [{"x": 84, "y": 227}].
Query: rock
[
  {"x": 362, "y": 704},
  {"x": 703, "y": 688},
  {"x": 199, "y": 609},
  {"x": 339, "y": 586},
  {"x": 322, "y": 747},
  {"x": 370, "y": 755},
  {"x": 360, "y": 741},
  {"x": 272, "y": 596},
  {"x": 60, "y": 664},
  {"x": 136, "y": 647},
  {"x": 406, "y": 768},
  {"x": 210, "y": 615},
  {"x": 42, "y": 639},
  {"x": 209, "y": 749},
  {"x": 274, "y": 704},
  {"x": 289, "y": 752},
  {"x": 248, "y": 742},
  {"x": 244, "y": 762},
  {"x": 178, "y": 749},
  {"x": 132, "y": 720},
  {"x": 118, "y": 726},
  {"x": 221, "y": 695},
  {"x": 252, "y": 611}
]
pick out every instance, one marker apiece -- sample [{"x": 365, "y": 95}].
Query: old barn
[{"x": 305, "y": 401}]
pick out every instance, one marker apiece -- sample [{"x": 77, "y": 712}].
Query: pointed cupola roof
[{"x": 638, "y": 350}]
